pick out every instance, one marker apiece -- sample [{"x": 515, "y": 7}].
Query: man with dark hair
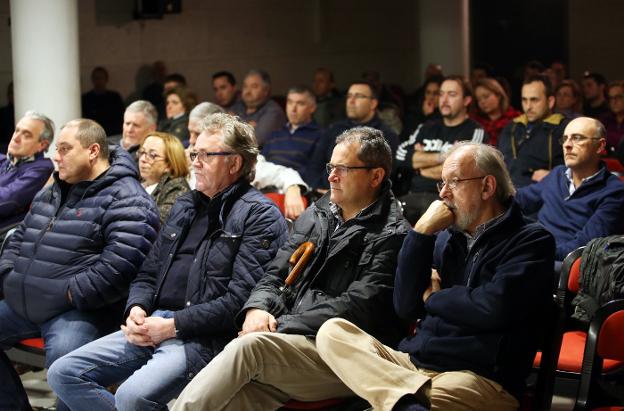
[
  {"x": 293, "y": 145},
  {"x": 420, "y": 158},
  {"x": 614, "y": 119},
  {"x": 352, "y": 235},
  {"x": 256, "y": 106},
  {"x": 361, "y": 108},
  {"x": 329, "y": 101},
  {"x": 594, "y": 87},
  {"x": 581, "y": 200},
  {"x": 172, "y": 81},
  {"x": 225, "y": 90},
  {"x": 65, "y": 272},
  {"x": 223, "y": 236},
  {"x": 530, "y": 143},
  {"x": 102, "y": 105},
  {"x": 478, "y": 277},
  {"x": 24, "y": 170}
]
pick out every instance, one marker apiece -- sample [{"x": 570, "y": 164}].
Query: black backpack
[{"x": 602, "y": 276}]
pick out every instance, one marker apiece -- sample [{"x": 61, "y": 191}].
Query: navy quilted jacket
[
  {"x": 250, "y": 231},
  {"x": 93, "y": 245}
]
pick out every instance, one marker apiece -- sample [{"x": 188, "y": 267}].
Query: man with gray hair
[
  {"x": 140, "y": 118},
  {"x": 479, "y": 278},
  {"x": 256, "y": 106},
  {"x": 24, "y": 169},
  {"x": 66, "y": 270},
  {"x": 352, "y": 237},
  {"x": 214, "y": 247},
  {"x": 581, "y": 200}
]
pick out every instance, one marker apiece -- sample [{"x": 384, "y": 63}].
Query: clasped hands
[
  {"x": 257, "y": 320},
  {"x": 147, "y": 331}
]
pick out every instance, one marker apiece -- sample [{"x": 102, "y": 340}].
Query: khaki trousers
[
  {"x": 262, "y": 371},
  {"x": 382, "y": 375}
]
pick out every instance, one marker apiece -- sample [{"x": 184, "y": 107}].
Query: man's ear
[
  {"x": 43, "y": 145},
  {"x": 378, "y": 175},
  {"x": 94, "y": 151},
  {"x": 488, "y": 187},
  {"x": 237, "y": 164},
  {"x": 467, "y": 101},
  {"x": 551, "y": 102}
]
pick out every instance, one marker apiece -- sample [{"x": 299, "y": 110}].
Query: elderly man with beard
[{"x": 479, "y": 277}]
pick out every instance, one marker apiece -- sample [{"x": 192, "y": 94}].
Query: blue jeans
[
  {"x": 153, "y": 376},
  {"x": 62, "y": 334}
]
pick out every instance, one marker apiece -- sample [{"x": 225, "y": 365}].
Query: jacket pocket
[{"x": 45, "y": 298}]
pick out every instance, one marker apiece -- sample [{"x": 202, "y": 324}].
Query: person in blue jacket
[
  {"x": 66, "y": 270},
  {"x": 24, "y": 170},
  {"x": 213, "y": 248},
  {"x": 479, "y": 276},
  {"x": 580, "y": 200}
]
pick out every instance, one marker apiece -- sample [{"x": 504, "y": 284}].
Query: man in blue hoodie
[
  {"x": 580, "y": 200},
  {"x": 479, "y": 276},
  {"x": 65, "y": 273}
]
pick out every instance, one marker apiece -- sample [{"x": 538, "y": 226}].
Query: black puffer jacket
[
  {"x": 250, "y": 231},
  {"x": 93, "y": 245},
  {"x": 350, "y": 275}
]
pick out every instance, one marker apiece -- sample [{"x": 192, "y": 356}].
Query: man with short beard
[{"x": 479, "y": 276}]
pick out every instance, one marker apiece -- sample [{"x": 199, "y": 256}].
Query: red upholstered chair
[
  {"x": 603, "y": 352},
  {"x": 614, "y": 165},
  {"x": 278, "y": 199}
]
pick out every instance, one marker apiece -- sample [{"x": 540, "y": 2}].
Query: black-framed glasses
[
  {"x": 452, "y": 184},
  {"x": 151, "y": 155},
  {"x": 203, "y": 156},
  {"x": 576, "y": 138},
  {"x": 341, "y": 170}
]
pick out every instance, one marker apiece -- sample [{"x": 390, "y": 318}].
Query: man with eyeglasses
[
  {"x": 215, "y": 245},
  {"x": 420, "y": 158},
  {"x": 478, "y": 277},
  {"x": 355, "y": 232},
  {"x": 65, "y": 272},
  {"x": 580, "y": 200},
  {"x": 530, "y": 142},
  {"x": 361, "y": 107}
]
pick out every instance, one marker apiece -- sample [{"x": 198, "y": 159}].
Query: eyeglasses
[
  {"x": 616, "y": 97},
  {"x": 452, "y": 185},
  {"x": 357, "y": 96},
  {"x": 576, "y": 139},
  {"x": 341, "y": 171},
  {"x": 203, "y": 156},
  {"x": 151, "y": 156}
]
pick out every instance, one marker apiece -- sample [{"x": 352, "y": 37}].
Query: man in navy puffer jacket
[{"x": 66, "y": 271}]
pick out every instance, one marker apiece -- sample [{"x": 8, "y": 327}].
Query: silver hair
[
  {"x": 374, "y": 149},
  {"x": 264, "y": 76},
  {"x": 145, "y": 107},
  {"x": 601, "y": 131},
  {"x": 238, "y": 136},
  {"x": 490, "y": 161},
  {"x": 204, "y": 109},
  {"x": 48, "y": 126}
]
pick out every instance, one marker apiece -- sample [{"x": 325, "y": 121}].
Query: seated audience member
[
  {"x": 293, "y": 145},
  {"x": 179, "y": 104},
  {"x": 153, "y": 92},
  {"x": 580, "y": 200},
  {"x": 256, "y": 106},
  {"x": 420, "y": 158},
  {"x": 391, "y": 107},
  {"x": 268, "y": 177},
  {"x": 493, "y": 109},
  {"x": 140, "y": 118},
  {"x": 163, "y": 168},
  {"x": 478, "y": 276},
  {"x": 530, "y": 143},
  {"x": 357, "y": 229},
  {"x": 423, "y": 108},
  {"x": 329, "y": 101},
  {"x": 102, "y": 105},
  {"x": 481, "y": 71},
  {"x": 568, "y": 99},
  {"x": 66, "y": 270},
  {"x": 361, "y": 108},
  {"x": 614, "y": 119},
  {"x": 225, "y": 90},
  {"x": 595, "y": 102},
  {"x": 24, "y": 170},
  {"x": 180, "y": 312}
]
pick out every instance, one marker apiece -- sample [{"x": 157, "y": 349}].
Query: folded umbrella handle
[{"x": 298, "y": 261}]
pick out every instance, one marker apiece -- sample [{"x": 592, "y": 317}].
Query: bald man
[{"x": 580, "y": 200}]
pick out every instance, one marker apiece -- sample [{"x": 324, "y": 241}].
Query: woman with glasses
[{"x": 163, "y": 168}]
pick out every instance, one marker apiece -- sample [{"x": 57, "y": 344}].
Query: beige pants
[
  {"x": 261, "y": 371},
  {"x": 382, "y": 375}
]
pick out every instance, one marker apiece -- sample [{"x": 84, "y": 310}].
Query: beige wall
[{"x": 596, "y": 31}]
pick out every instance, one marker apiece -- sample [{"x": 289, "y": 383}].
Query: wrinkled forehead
[
  {"x": 459, "y": 164},
  {"x": 210, "y": 140},
  {"x": 582, "y": 126}
]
